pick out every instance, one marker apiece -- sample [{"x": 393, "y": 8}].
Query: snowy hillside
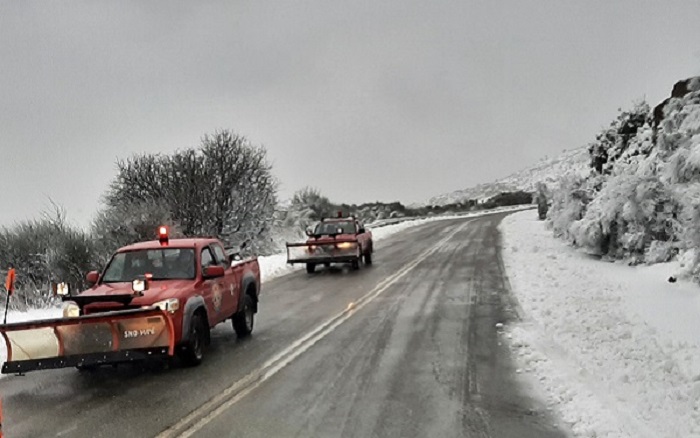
[{"x": 548, "y": 169}]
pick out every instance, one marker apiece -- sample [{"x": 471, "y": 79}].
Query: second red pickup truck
[
  {"x": 153, "y": 299},
  {"x": 333, "y": 240}
]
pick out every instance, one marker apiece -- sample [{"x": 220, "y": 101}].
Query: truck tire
[
  {"x": 244, "y": 320},
  {"x": 355, "y": 264},
  {"x": 193, "y": 350},
  {"x": 310, "y": 268}
]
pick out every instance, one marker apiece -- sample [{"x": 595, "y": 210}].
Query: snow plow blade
[
  {"x": 336, "y": 251},
  {"x": 108, "y": 337}
]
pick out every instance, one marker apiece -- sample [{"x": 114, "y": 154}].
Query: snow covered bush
[
  {"x": 308, "y": 205},
  {"x": 625, "y": 216},
  {"x": 612, "y": 142},
  {"x": 43, "y": 251},
  {"x": 642, "y": 199},
  {"x": 569, "y": 201}
]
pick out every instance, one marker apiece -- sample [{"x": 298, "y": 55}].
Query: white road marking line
[
  {"x": 67, "y": 431},
  {"x": 189, "y": 425}
]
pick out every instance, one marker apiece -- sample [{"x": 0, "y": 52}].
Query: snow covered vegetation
[{"x": 640, "y": 199}]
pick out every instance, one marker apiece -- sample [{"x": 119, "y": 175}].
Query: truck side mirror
[
  {"x": 92, "y": 277},
  {"x": 309, "y": 231}
]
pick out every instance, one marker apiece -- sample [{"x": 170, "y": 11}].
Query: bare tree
[{"x": 224, "y": 188}]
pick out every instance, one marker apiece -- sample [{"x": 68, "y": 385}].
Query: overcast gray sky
[{"x": 366, "y": 100}]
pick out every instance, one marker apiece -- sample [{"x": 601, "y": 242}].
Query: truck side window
[
  {"x": 207, "y": 258},
  {"x": 220, "y": 254}
]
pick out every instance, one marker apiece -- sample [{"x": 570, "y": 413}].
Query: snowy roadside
[{"x": 615, "y": 349}]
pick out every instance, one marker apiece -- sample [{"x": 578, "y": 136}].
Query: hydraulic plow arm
[{"x": 88, "y": 340}]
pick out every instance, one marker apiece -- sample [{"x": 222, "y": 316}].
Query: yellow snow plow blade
[{"x": 101, "y": 338}]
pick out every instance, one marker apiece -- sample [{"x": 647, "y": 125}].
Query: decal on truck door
[{"x": 217, "y": 296}]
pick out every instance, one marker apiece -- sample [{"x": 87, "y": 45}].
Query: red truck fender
[
  {"x": 193, "y": 304},
  {"x": 248, "y": 286}
]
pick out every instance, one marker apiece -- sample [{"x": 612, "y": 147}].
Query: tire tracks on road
[{"x": 200, "y": 417}]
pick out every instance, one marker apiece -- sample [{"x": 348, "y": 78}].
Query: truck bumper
[{"x": 321, "y": 260}]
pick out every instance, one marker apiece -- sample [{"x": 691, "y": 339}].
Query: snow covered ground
[{"x": 615, "y": 348}]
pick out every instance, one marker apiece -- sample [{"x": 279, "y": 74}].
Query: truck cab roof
[{"x": 172, "y": 243}]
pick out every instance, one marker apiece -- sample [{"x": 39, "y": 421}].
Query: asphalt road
[{"x": 404, "y": 348}]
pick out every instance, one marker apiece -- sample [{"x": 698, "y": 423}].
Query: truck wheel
[
  {"x": 243, "y": 321},
  {"x": 193, "y": 351},
  {"x": 356, "y": 263},
  {"x": 310, "y": 268}
]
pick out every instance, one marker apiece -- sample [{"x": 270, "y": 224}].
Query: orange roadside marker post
[{"x": 10, "y": 287}]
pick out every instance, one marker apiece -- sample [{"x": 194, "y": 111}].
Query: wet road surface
[{"x": 406, "y": 347}]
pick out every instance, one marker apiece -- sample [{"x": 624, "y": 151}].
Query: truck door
[
  {"x": 231, "y": 281},
  {"x": 213, "y": 289},
  {"x": 362, "y": 237}
]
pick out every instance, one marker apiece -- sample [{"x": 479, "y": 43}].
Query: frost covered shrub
[
  {"x": 612, "y": 142},
  {"x": 679, "y": 144},
  {"x": 659, "y": 252},
  {"x": 569, "y": 202},
  {"x": 625, "y": 217},
  {"x": 43, "y": 251}
]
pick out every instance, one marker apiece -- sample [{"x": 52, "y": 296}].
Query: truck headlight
[
  {"x": 170, "y": 305},
  {"x": 71, "y": 309},
  {"x": 345, "y": 245}
]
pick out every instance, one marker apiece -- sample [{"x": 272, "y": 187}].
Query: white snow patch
[{"x": 615, "y": 348}]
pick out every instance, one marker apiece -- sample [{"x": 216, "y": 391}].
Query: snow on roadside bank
[{"x": 611, "y": 345}]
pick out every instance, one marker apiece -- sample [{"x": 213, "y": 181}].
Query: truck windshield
[
  {"x": 332, "y": 228},
  {"x": 163, "y": 264}
]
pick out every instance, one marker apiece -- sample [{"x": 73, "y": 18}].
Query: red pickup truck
[
  {"x": 334, "y": 240},
  {"x": 153, "y": 299}
]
